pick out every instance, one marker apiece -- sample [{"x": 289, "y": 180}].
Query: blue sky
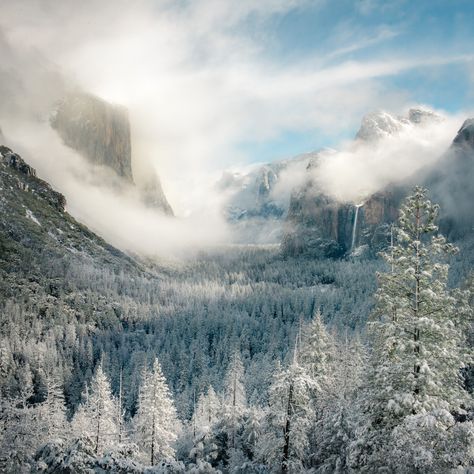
[
  {"x": 362, "y": 31},
  {"x": 212, "y": 84}
]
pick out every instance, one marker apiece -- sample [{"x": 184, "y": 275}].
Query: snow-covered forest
[
  {"x": 236, "y": 237},
  {"x": 245, "y": 361}
]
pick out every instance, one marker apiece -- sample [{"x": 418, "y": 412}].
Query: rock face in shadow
[
  {"x": 153, "y": 196},
  {"x": 451, "y": 184},
  {"x": 321, "y": 227},
  {"x": 98, "y": 130}
]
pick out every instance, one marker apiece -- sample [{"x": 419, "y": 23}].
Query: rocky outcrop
[
  {"x": 451, "y": 184},
  {"x": 24, "y": 178},
  {"x": 98, "y": 130},
  {"x": 321, "y": 227},
  {"x": 465, "y": 135},
  {"x": 153, "y": 196}
]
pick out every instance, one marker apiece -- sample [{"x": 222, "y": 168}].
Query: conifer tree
[
  {"x": 52, "y": 411},
  {"x": 335, "y": 423},
  {"x": 96, "y": 417},
  {"x": 156, "y": 423},
  {"x": 207, "y": 411},
  {"x": 415, "y": 389},
  {"x": 235, "y": 398},
  {"x": 317, "y": 353},
  {"x": 285, "y": 441}
]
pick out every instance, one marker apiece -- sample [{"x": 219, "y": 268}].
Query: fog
[
  {"x": 363, "y": 168},
  {"x": 198, "y": 82}
]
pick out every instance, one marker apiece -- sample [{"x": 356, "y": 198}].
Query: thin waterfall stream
[{"x": 354, "y": 228}]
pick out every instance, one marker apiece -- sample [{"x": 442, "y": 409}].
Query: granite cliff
[
  {"x": 100, "y": 132},
  {"x": 321, "y": 226}
]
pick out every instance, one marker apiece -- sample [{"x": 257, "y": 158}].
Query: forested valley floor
[{"x": 237, "y": 360}]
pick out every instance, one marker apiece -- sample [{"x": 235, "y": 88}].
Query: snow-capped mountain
[
  {"x": 380, "y": 124},
  {"x": 323, "y": 226}
]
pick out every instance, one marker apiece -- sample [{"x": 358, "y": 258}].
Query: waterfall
[{"x": 354, "y": 228}]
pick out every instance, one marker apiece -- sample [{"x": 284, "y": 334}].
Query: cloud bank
[{"x": 365, "y": 167}]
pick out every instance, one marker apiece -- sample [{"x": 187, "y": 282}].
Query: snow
[{"x": 31, "y": 216}]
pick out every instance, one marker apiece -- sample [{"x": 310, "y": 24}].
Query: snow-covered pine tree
[
  {"x": 334, "y": 426},
  {"x": 318, "y": 351},
  {"x": 120, "y": 410},
  {"x": 207, "y": 411},
  {"x": 284, "y": 444},
  {"x": 96, "y": 417},
  {"x": 415, "y": 393},
  {"x": 235, "y": 398},
  {"x": 156, "y": 424},
  {"x": 19, "y": 427},
  {"x": 52, "y": 411},
  {"x": 318, "y": 356}
]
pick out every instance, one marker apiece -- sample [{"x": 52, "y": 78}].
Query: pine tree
[
  {"x": 156, "y": 423},
  {"x": 317, "y": 353},
  {"x": 52, "y": 411},
  {"x": 414, "y": 388},
  {"x": 285, "y": 441},
  {"x": 96, "y": 417},
  {"x": 20, "y": 433},
  {"x": 235, "y": 398},
  {"x": 207, "y": 412},
  {"x": 334, "y": 426}
]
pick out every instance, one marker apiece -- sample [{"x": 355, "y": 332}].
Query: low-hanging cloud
[
  {"x": 365, "y": 167},
  {"x": 108, "y": 205}
]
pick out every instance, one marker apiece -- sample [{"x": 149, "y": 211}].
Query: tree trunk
[
  {"x": 416, "y": 306},
  {"x": 286, "y": 447}
]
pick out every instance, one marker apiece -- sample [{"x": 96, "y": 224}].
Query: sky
[
  {"x": 218, "y": 84},
  {"x": 255, "y": 81}
]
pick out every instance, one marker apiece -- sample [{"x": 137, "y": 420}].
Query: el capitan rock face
[{"x": 98, "y": 130}]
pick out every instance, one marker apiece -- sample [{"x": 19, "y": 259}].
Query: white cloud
[{"x": 363, "y": 168}]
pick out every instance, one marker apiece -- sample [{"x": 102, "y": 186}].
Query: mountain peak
[
  {"x": 465, "y": 135},
  {"x": 421, "y": 115},
  {"x": 379, "y": 124}
]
